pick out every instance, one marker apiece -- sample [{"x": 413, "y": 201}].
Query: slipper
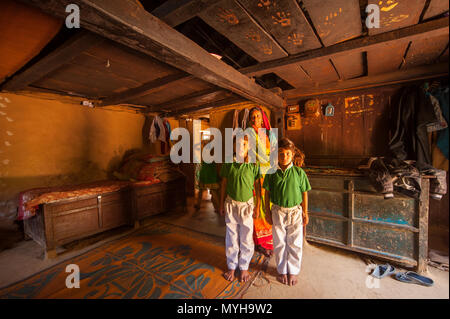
[
  {"x": 419, "y": 279},
  {"x": 382, "y": 271},
  {"x": 401, "y": 276}
]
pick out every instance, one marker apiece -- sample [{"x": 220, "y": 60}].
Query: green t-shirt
[
  {"x": 241, "y": 178},
  {"x": 286, "y": 187},
  {"x": 208, "y": 173}
]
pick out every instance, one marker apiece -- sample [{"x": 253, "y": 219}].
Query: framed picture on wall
[{"x": 293, "y": 121}]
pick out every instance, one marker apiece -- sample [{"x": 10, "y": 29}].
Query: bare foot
[
  {"x": 245, "y": 275},
  {"x": 283, "y": 279},
  {"x": 292, "y": 280},
  {"x": 229, "y": 275}
]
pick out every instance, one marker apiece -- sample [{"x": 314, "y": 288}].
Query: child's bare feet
[
  {"x": 292, "y": 280},
  {"x": 229, "y": 275},
  {"x": 245, "y": 275},
  {"x": 283, "y": 279}
]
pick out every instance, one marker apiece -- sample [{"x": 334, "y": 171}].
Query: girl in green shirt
[
  {"x": 238, "y": 206},
  {"x": 287, "y": 190}
]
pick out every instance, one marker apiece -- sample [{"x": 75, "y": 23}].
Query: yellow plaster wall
[{"x": 46, "y": 142}]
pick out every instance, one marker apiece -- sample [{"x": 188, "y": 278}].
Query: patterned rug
[{"x": 157, "y": 261}]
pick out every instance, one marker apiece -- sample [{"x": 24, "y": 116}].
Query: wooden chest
[
  {"x": 66, "y": 220},
  {"x": 158, "y": 198}
]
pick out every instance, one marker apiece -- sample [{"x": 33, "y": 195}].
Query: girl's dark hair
[
  {"x": 286, "y": 144},
  {"x": 299, "y": 156},
  {"x": 254, "y": 109}
]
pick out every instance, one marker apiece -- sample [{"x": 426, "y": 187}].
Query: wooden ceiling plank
[
  {"x": 145, "y": 89},
  {"x": 320, "y": 72},
  {"x": 86, "y": 81},
  {"x": 396, "y": 77},
  {"x": 128, "y": 23},
  {"x": 396, "y": 37},
  {"x": 294, "y": 75},
  {"x": 176, "y": 12},
  {"x": 233, "y": 21},
  {"x": 25, "y": 31},
  {"x": 426, "y": 51},
  {"x": 436, "y": 7},
  {"x": 337, "y": 21},
  {"x": 230, "y": 19},
  {"x": 350, "y": 66},
  {"x": 285, "y": 21},
  {"x": 62, "y": 55},
  {"x": 394, "y": 14}
]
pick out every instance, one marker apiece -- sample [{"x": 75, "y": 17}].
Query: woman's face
[{"x": 256, "y": 119}]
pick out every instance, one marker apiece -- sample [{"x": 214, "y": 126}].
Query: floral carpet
[{"x": 157, "y": 261}]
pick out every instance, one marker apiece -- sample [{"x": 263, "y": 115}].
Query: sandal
[
  {"x": 412, "y": 277},
  {"x": 382, "y": 271}
]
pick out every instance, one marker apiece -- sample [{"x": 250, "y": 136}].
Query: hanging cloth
[
  {"x": 153, "y": 136},
  {"x": 245, "y": 118},
  {"x": 235, "y": 120}
]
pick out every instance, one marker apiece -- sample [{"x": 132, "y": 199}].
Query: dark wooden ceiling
[{"x": 294, "y": 45}]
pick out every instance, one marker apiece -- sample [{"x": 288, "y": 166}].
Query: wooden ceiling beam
[
  {"x": 128, "y": 23},
  {"x": 209, "y": 105},
  {"x": 397, "y": 77},
  {"x": 145, "y": 89},
  {"x": 194, "y": 99},
  {"x": 405, "y": 35},
  {"x": 57, "y": 58},
  {"x": 176, "y": 12}
]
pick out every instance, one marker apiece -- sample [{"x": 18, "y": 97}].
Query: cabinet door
[
  {"x": 115, "y": 210},
  {"x": 149, "y": 204},
  {"x": 74, "y": 224}
]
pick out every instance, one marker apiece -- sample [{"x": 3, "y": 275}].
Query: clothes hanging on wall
[
  {"x": 442, "y": 95},
  {"x": 441, "y": 123},
  {"x": 245, "y": 118},
  {"x": 157, "y": 131},
  {"x": 235, "y": 120},
  {"x": 165, "y": 145},
  {"x": 410, "y": 138},
  {"x": 160, "y": 131}
]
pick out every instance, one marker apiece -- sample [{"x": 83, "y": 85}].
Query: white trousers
[
  {"x": 239, "y": 234},
  {"x": 287, "y": 231}
]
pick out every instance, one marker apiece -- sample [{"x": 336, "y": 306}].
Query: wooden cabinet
[
  {"x": 158, "y": 198},
  {"x": 66, "y": 220}
]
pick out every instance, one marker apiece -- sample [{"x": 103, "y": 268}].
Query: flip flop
[
  {"x": 419, "y": 279},
  {"x": 382, "y": 271},
  {"x": 401, "y": 276},
  {"x": 411, "y": 277}
]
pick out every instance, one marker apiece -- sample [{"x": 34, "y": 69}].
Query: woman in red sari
[{"x": 262, "y": 229}]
